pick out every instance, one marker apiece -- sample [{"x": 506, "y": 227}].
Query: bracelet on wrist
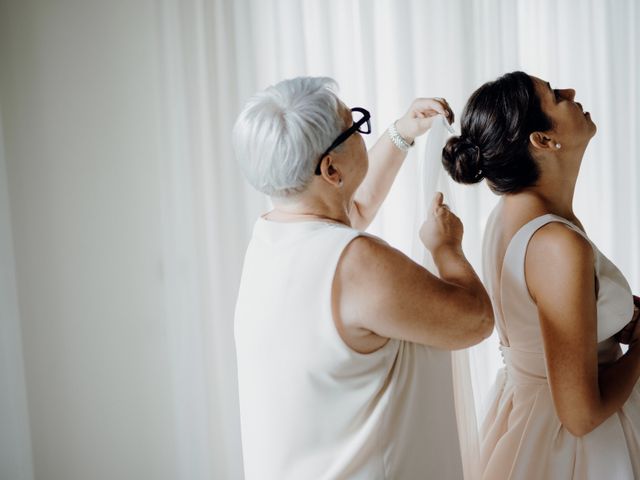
[{"x": 397, "y": 139}]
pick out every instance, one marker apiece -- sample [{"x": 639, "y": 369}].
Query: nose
[{"x": 569, "y": 93}]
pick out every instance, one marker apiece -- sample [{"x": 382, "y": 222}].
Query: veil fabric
[{"x": 431, "y": 179}]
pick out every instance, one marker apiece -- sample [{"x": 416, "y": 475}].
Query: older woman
[
  {"x": 566, "y": 405},
  {"x": 331, "y": 324}
]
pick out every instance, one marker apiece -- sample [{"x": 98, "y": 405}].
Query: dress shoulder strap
[
  {"x": 514, "y": 293},
  {"x": 517, "y": 248}
]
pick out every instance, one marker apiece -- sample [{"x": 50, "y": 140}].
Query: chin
[{"x": 593, "y": 128}]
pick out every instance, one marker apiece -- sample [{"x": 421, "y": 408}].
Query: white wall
[
  {"x": 79, "y": 90},
  {"x": 128, "y": 219},
  {"x": 15, "y": 443}
]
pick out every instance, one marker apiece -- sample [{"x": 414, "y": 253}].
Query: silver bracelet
[{"x": 397, "y": 139}]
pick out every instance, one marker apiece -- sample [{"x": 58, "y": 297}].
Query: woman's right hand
[
  {"x": 442, "y": 228},
  {"x": 631, "y": 333}
]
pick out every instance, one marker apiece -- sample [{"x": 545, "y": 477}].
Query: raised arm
[
  {"x": 385, "y": 159},
  {"x": 559, "y": 269},
  {"x": 381, "y": 291}
]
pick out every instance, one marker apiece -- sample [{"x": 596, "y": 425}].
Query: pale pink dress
[{"x": 521, "y": 436}]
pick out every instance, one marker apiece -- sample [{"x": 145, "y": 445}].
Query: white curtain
[
  {"x": 384, "y": 53},
  {"x": 211, "y": 56}
]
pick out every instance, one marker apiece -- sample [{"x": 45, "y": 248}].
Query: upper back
[
  {"x": 285, "y": 292},
  {"x": 300, "y": 385},
  {"x": 310, "y": 406},
  {"x": 516, "y": 312}
]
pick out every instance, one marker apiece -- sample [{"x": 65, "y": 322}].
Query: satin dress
[{"x": 521, "y": 435}]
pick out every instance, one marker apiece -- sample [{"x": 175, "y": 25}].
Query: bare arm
[
  {"x": 385, "y": 159},
  {"x": 559, "y": 270},
  {"x": 383, "y": 291}
]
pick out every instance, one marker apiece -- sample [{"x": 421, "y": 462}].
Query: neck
[
  {"x": 302, "y": 209},
  {"x": 557, "y": 186}
]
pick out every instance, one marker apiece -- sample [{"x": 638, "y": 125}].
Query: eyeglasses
[{"x": 361, "y": 124}]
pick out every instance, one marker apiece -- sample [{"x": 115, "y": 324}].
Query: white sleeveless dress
[
  {"x": 522, "y": 437},
  {"x": 310, "y": 406}
]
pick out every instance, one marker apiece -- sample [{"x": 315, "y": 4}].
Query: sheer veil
[{"x": 433, "y": 178}]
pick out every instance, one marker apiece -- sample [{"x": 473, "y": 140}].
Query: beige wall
[
  {"x": 79, "y": 93},
  {"x": 15, "y": 444}
]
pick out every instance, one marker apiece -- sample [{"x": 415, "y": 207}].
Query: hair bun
[{"x": 463, "y": 160}]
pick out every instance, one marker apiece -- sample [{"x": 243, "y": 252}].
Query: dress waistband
[{"x": 524, "y": 368}]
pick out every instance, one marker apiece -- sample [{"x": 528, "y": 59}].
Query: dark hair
[{"x": 494, "y": 141}]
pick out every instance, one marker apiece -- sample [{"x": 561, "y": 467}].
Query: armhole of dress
[
  {"x": 552, "y": 219},
  {"x": 530, "y": 228}
]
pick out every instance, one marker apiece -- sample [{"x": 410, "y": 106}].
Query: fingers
[
  {"x": 635, "y": 334},
  {"x": 438, "y": 207},
  {"x": 440, "y": 106},
  {"x": 451, "y": 118},
  {"x": 419, "y": 118},
  {"x": 449, "y": 115},
  {"x": 630, "y": 328},
  {"x": 428, "y": 107},
  {"x": 422, "y": 104},
  {"x": 437, "y": 201}
]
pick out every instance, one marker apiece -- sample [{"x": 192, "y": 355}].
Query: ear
[
  {"x": 540, "y": 141},
  {"x": 329, "y": 172}
]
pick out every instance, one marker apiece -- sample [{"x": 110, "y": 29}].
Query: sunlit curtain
[
  {"x": 213, "y": 54},
  {"x": 383, "y": 54}
]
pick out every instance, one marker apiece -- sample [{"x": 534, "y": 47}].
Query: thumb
[{"x": 437, "y": 201}]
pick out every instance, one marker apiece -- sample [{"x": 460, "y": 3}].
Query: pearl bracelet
[{"x": 397, "y": 139}]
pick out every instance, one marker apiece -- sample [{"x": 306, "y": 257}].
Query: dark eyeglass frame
[{"x": 356, "y": 127}]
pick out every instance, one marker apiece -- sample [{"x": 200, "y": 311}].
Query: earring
[
  {"x": 558, "y": 145},
  {"x": 340, "y": 182}
]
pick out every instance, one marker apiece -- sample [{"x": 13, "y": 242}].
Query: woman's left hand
[{"x": 420, "y": 115}]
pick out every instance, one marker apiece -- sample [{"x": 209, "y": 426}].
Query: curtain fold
[
  {"x": 383, "y": 54},
  {"x": 214, "y": 54},
  {"x": 16, "y": 460}
]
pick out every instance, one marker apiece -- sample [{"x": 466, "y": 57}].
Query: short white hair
[{"x": 282, "y": 131}]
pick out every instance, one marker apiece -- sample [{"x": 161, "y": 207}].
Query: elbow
[
  {"x": 580, "y": 413},
  {"x": 579, "y": 428},
  {"x": 486, "y": 329},
  {"x": 483, "y": 329},
  {"x": 479, "y": 324},
  {"x": 579, "y": 425},
  {"x": 482, "y": 321},
  {"x": 487, "y": 321}
]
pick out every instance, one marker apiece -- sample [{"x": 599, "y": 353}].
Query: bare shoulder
[
  {"x": 369, "y": 259},
  {"x": 557, "y": 258},
  {"x": 373, "y": 280},
  {"x": 559, "y": 241},
  {"x": 364, "y": 246}
]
